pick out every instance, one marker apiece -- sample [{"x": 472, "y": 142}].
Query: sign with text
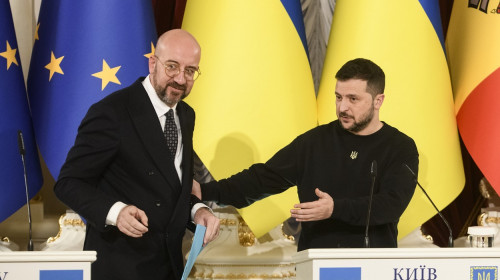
[
  {"x": 46, "y": 265},
  {"x": 398, "y": 264}
]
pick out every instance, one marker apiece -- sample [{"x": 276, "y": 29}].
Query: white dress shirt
[{"x": 161, "y": 109}]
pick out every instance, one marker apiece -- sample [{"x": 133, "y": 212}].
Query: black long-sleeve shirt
[{"x": 337, "y": 162}]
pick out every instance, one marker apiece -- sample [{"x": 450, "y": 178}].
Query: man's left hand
[
  {"x": 314, "y": 211},
  {"x": 204, "y": 217}
]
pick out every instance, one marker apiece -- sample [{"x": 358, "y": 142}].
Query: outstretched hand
[
  {"x": 314, "y": 211},
  {"x": 196, "y": 190},
  {"x": 132, "y": 221}
]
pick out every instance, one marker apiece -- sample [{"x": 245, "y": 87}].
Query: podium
[
  {"x": 43, "y": 265},
  {"x": 398, "y": 264}
]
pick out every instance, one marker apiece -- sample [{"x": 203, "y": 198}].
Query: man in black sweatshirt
[{"x": 331, "y": 167}]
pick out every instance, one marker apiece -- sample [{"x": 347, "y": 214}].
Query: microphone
[
  {"x": 20, "y": 143},
  {"x": 22, "y": 152},
  {"x": 373, "y": 174},
  {"x": 450, "y": 237}
]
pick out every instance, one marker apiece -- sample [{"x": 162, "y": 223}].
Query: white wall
[{"x": 25, "y": 15}]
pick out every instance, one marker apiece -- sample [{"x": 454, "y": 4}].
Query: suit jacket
[{"x": 120, "y": 154}]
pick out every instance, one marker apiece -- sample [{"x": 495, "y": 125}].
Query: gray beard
[{"x": 162, "y": 94}]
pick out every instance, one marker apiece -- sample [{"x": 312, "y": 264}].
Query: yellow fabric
[
  {"x": 255, "y": 94},
  {"x": 472, "y": 44},
  {"x": 398, "y": 36}
]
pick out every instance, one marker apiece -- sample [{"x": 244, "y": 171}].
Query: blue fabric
[
  {"x": 294, "y": 10},
  {"x": 83, "y": 36},
  {"x": 431, "y": 8},
  {"x": 14, "y": 117}
]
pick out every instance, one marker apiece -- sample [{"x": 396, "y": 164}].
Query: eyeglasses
[{"x": 173, "y": 69}]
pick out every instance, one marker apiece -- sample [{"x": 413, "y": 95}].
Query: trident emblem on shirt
[{"x": 354, "y": 154}]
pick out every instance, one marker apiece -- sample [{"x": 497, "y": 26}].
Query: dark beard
[{"x": 362, "y": 124}]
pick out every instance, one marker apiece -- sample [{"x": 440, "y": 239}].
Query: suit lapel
[
  {"x": 149, "y": 130},
  {"x": 186, "y": 122},
  {"x": 187, "y": 136}
]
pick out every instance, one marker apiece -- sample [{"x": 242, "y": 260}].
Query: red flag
[{"x": 473, "y": 46}]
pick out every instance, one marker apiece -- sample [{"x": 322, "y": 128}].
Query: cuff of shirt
[
  {"x": 113, "y": 213},
  {"x": 198, "y": 206}
]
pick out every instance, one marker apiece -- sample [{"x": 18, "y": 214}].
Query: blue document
[{"x": 196, "y": 248}]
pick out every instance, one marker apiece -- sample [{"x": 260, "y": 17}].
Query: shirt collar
[{"x": 160, "y": 107}]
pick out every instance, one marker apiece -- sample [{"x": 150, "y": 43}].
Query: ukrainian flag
[
  {"x": 473, "y": 45},
  {"x": 84, "y": 50},
  {"x": 255, "y": 94},
  {"x": 405, "y": 39}
]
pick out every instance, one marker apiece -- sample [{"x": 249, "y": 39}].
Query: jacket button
[
  {"x": 150, "y": 173},
  {"x": 158, "y": 203}
]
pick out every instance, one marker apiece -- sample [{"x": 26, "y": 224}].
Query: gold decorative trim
[
  {"x": 480, "y": 219},
  {"x": 211, "y": 275},
  {"x": 247, "y": 265},
  {"x": 228, "y": 222},
  {"x": 289, "y": 237},
  {"x": 54, "y": 238},
  {"x": 65, "y": 222},
  {"x": 484, "y": 220},
  {"x": 5, "y": 239},
  {"x": 244, "y": 276},
  {"x": 74, "y": 222},
  {"x": 492, "y": 220},
  {"x": 428, "y": 237},
  {"x": 245, "y": 234}
]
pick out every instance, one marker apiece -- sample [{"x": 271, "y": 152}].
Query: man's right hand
[
  {"x": 132, "y": 221},
  {"x": 317, "y": 210},
  {"x": 196, "y": 190}
]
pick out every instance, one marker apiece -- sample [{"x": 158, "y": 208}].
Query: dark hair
[{"x": 366, "y": 70}]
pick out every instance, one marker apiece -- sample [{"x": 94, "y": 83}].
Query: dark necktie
[{"x": 170, "y": 132}]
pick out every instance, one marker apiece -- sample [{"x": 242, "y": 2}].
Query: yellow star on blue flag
[
  {"x": 107, "y": 74},
  {"x": 10, "y": 55},
  {"x": 55, "y": 65},
  {"x": 150, "y": 54},
  {"x": 88, "y": 49}
]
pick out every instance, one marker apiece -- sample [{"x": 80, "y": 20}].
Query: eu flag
[
  {"x": 83, "y": 51},
  {"x": 14, "y": 116}
]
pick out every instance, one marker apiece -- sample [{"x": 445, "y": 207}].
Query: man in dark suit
[{"x": 130, "y": 171}]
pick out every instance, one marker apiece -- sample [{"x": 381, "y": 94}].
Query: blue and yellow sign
[{"x": 484, "y": 273}]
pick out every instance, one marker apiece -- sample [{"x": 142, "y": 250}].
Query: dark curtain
[{"x": 168, "y": 14}]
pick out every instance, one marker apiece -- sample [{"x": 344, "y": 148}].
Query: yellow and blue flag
[
  {"x": 473, "y": 45},
  {"x": 405, "y": 39},
  {"x": 255, "y": 94},
  {"x": 14, "y": 116},
  {"x": 83, "y": 51}
]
